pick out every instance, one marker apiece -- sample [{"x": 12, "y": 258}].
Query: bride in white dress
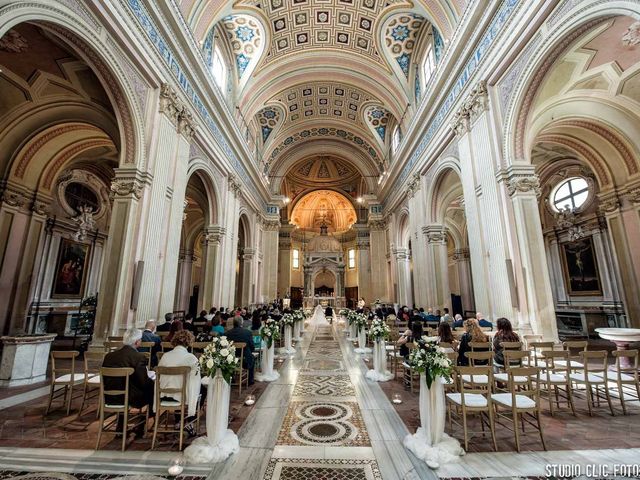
[{"x": 318, "y": 317}]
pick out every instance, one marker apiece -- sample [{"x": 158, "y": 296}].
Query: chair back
[
  {"x": 557, "y": 361},
  {"x": 166, "y": 346},
  {"x": 475, "y": 381},
  {"x": 479, "y": 358},
  {"x": 240, "y": 346},
  {"x": 574, "y": 347},
  {"x": 633, "y": 358},
  {"x": 511, "y": 345},
  {"x": 122, "y": 373},
  {"x": 148, "y": 346},
  {"x": 528, "y": 339},
  {"x": 524, "y": 381},
  {"x": 162, "y": 335},
  {"x": 480, "y": 346},
  {"x": 595, "y": 361},
  {"x": 114, "y": 338},
  {"x": 173, "y": 392},
  {"x": 58, "y": 368},
  {"x": 198, "y": 347},
  {"x": 538, "y": 349},
  {"x": 112, "y": 345},
  {"x": 515, "y": 358},
  {"x": 93, "y": 362}
]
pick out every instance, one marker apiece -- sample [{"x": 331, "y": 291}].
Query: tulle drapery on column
[
  {"x": 288, "y": 347},
  {"x": 267, "y": 373},
  {"x": 430, "y": 443},
  {"x": 362, "y": 342},
  {"x": 379, "y": 372},
  {"x": 220, "y": 442}
]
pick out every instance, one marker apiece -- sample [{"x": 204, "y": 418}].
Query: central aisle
[{"x": 323, "y": 419}]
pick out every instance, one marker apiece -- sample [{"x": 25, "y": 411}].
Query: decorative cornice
[
  {"x": 520, "y": 180},
  {"x": 380, "y": 224},
  {"x": 129, "y": 184},
  {"x": 186, "y": 123},
  {"x": 270, "y": 224},
  {"x": 213, "y": 235},
  {"x": 609, "y": 204},
  {"x": 14, "y": 196},
  {"x": 234, "y": 186},
  {"x": 414, "y": 185}
]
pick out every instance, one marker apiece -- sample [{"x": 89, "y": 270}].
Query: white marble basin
[{"x": 622, "y": 335}]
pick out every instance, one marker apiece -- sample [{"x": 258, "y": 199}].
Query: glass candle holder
[
  {"x": 396, "y": 398},
  {"x": 176, "y": 466},
  {"x": 250, "y": 400}
]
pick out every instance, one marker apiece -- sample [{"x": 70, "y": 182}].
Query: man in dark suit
[
  {"x": 240, "y": 334},
  {"x": 166, "y": 326},
  {"x": 140, "y": 385},
  {"x": 149, "y": 335},
  {"x": 328, "y": 313},
  {"x": 188, "y": 324}
]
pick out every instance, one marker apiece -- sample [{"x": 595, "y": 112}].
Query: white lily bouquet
[
  {"x": 270, "y": 331},
  {"x": 351, "y": 316},
  {"x": 298, "y": 316},
  {"x": 219, "y": 354},
  {"x": 431, "y": 360},
  {"x": 288, "y": 319},
  {"x": 360, "y": 319},
  {"x": 379, "y": 329}
]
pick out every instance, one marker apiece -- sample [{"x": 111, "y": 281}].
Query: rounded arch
[
  {"x": 444, "y": 166},
  {"x": 202, "y": 168},
  {"x": 403, "y": 233},
  {"x": 245, "y": 232},
  {"x": 97, "y": 54},
  {"x": 564, "y": 32}
]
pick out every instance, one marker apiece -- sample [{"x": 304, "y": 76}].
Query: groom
[{"x": 328, "y": 313}]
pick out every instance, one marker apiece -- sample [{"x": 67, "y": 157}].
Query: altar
[{"x": 333, "y": 302}]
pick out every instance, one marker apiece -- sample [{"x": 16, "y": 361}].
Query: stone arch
[
  {"x": 202, "y": 168},
  {"x": 100, "y": 56}
]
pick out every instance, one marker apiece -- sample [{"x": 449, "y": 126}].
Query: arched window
[
  {"x": 219, "y": 70},
  {"x": 397, "y": 137},
  {"x": 428, "y": 64}
]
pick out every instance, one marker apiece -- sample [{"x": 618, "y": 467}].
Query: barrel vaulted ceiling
[{"x": 335, "y": 72}]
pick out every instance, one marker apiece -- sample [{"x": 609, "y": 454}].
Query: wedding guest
[
  {"x": 458, "y": 322},
  {"x": 149, "y": 335},
  {"x": 202, "y": 318},
  {"x": 216, "y": 327},
  {"x": 432, "y": 320},
  {"x": 176, "y": 326},
  {"x": 239, "y": 334},
  {"x": 127, "y": 356},
  {"x": 188, "y": 324},
  {"x": 180, "y": 357},
  {"x": 472, "y": 334},
  {"x": 166, "y": 326},
  {"x": 445, "y": 335},
  {"x": 409, "y": 335},
  {"x": 482, "y": 322},
  {"x": 504, "y": 333},
  {"x": 446, "y": 317}
]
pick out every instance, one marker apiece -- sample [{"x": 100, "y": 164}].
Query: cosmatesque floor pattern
[{"x": 323, "y": 412}]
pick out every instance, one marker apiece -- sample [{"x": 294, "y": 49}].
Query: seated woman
[
  {"x": 473, "y": 334},
  {"x": 180, "y": 357},
  {"x": 409, "y": 336},
  {"x": 176, "y": 326},
  {"x": 216, "y": 327},
  {"x": 445, "y": 335},
  {"x": 504, "y": 333}
]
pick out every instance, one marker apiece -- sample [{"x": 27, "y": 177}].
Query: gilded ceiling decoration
[
  {"x": 302, "y": 25},
  {"x": 324, "y": 169},
  {"x": 324, "y": 207}
]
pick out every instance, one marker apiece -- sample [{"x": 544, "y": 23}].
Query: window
[
  {"x": 296, "y": 259},
  {"x": 352, "y": 258},
  {"x": 397, "y": 136},
  {"x": 571, "y": 194},
  {"x": 428, "y": 65},
  {"x": 219, "y": 70}
]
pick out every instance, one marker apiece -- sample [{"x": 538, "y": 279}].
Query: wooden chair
[
  {"x": 574, "y": 348},
  {"x": 556, "y": 378},
  {"x": 119, "y": 407},
  {"x": 409, "y": 375},
  {"x": 198, "y": 347},
  {"x": 166, "y": 346},
  {"x": 537, "y": 352},
  {"x": 480, "y": 346},
  {"x": 512, "y": 359},
  {"x": 112, "y": 345},
  {"x": 113, "y": 338},
  {"x": 479, "y": 359},
  {"x": 173, "y": 407},
  {"x": 528, "y": 339},
  {"x": 472, "y": 398},
  {"x": 149, "y": 346},
  {"x": 92, "y": 363},
  {"x": 627, "y": 375},
  {"x": 162, "y": 335},
  {"x": 241, "y": 374},
  {"x": 62, "y": 376},
  {"x": 592, "y": 376},
  {"x": 522, "y": 401}
]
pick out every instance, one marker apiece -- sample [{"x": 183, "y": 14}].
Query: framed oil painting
[
  {"x": 71, "y": 269},
  {"x": 581, "y": 268}
]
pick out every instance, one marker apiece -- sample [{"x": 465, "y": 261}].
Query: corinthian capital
[
  {"x": 234, "y": 185},
  {"x": 186, "y": 123},
  {"x": 436, "y": 234},
  {"x": 523, "y": 184},
  {"x": 170, "y": 104}
]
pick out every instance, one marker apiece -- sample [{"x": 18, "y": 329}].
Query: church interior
[{"x": 337, "y": 179}]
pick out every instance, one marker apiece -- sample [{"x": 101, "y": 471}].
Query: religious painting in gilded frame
[
  {"x": 71, "y": 269},
  {"x": 580, "y": 268}
]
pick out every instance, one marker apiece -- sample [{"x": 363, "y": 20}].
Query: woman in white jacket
[{"x": 180, "y": 357}]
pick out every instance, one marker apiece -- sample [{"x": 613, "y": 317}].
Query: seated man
[
  {"x": 482, "y": 322},
  {"x": 166, "y": 326},
  {"x": 432, "y": 320},
  {"x": 140, "y": 385},
  {"x": 240, "y": 334},
  {"x": 149, "y": 335}
]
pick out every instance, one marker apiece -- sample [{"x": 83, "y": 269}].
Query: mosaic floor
[{"x": 323, "y": 412}]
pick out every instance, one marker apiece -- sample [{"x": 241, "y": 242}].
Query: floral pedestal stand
[
  {"x": 220, "y": 442},
  {"x": 379, "y": 372},
  {"x": 353, "y": 331},
  {"x": 430, "y": 443},
  {"x": 296, "y": 331},
  {"x": 288, "y": 348},
  {"x": 267, "y": 373},
  {"x": 362, "y": 342}
]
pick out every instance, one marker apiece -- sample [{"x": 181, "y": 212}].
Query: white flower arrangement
[
  {"x": 431, "y": 360},
  {"x": 360, "y": 320},
  {"x": 351, "y": 316},
  {"x": 379, "y": 329},
  {"x": 308, "y": 312},
  {"x": 298, "y": 315},
  {"x": 288, "y": 319},
  {"x": 270, "y": 331},
  {"x": 344, "y": 312},
  {"x": 219, "y": 354}
]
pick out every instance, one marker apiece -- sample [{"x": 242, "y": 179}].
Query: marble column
[
  {"x": 436, "y": 237},
  {"x": 363, "y": 263},
  {"x": 340, "y": 282},
  {"x": 378, "y": 258},
  {"x": 213, "y": 235},
  {"x": 463, "y": 266},
  {"x": 227, "y": 264},
  {"x": 308, "y": 287},
  {"x": 422, "y": 273},
  {"x": 284, "y": 260},
  {"x": 270, "y": 247},
  {"x": 248, "y": 256},
  {"x": 536, "y": 305},
  {"x": 402, "y": 259},
  {"x": 183, "y": 287}
]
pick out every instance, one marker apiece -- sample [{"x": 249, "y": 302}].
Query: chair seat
[
  {"x": 389, "y": 347},
  {"x": 504, "y": 377},
  {"x": 478, "y": 379},
  {"x": 522, "y": 401},
  {"x": 591, "y": 377},
  {"x": 94, "y": 380},
  {"x": 77, "y": 377},
  {"x": 475, "y": 400},
  {"x": 572, "y": 363},
  {"x": 613, "y": 377},
  {"x": 553, "y": 378},
  {"x": 111, "y": 405},
  {"x": 170, "y": 403}
]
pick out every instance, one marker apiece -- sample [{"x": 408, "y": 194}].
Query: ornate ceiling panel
[
  {"x": 322, "y": 170},
  {"x": 378, "y": 118},
  {"x": 268, "y": 120},
  {"x": 324, "y": 207},
  {"x": 245, "y": 37},
  {"x": 401, "y": 34},
  {"x": 301, "y": 25}
]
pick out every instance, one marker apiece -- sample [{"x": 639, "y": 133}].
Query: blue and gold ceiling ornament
[
  {"x": 268, "y": 119},
  {"x": 401, "y": 34},
  {"x": 245, "y": 38},
  {"x": 378, "y": 119}
]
